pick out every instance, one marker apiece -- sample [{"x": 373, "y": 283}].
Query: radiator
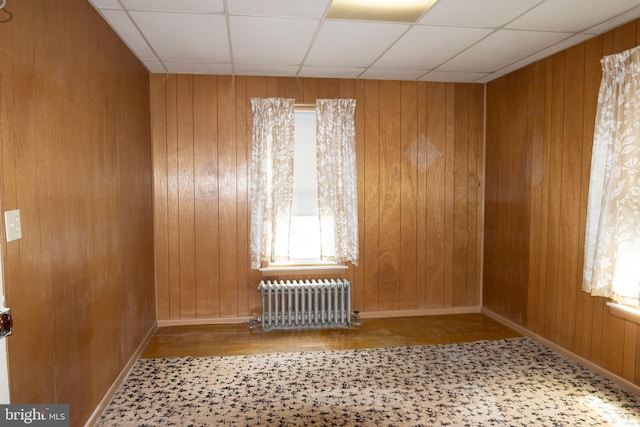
[{"x": 305, "y": 304}]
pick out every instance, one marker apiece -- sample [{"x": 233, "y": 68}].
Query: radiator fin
[{"x": 305, "y": 303}]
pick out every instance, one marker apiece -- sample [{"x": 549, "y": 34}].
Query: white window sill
[
  {"x": 626, "y": 312},
  {"x": 297, "y": 269}
]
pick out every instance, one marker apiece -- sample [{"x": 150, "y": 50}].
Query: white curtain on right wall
[
  {"x": 337, "y": 189},
  {"x": 612, "y": 239}
]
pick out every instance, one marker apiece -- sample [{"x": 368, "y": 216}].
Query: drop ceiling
[{"x": 454, "y": 41}]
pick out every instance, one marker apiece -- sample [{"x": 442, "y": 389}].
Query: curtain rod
[{"x": 302, "y": 106}]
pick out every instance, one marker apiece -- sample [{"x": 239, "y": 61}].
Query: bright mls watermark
[{"x": 34, "y": 415}]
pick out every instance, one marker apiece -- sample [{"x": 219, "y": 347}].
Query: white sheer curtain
[
  {"x": 271, "y": 178},
  {"x": 612, "y": 240},
  {"x": 337, "y": 193}
]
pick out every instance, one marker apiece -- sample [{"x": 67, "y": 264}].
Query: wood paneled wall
[
  {"x": 420, "y": 172},
  {"x": 540, "y": 123},
  {"x": 75, "y": 151}
]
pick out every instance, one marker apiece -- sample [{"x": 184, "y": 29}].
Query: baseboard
[
  {"x": 210, "y": 321},
  {"x": 622, "y": 382},
  {"x": 363, "y": 315},
  {"x": 93, "y": 419},
  {"x": 422, "y": 312}
]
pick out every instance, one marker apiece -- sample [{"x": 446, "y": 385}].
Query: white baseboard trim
[
  {"x": 93, "y": 419},
  {"x": 210, "y": 321},
  {"x": 422, "y": 312},
  {"x": 622, "y": 382}
]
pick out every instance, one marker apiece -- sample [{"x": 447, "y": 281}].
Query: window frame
[{"x": 296, "y": 265}]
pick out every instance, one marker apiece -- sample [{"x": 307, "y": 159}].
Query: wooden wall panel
[
  {"x": 538, "y": 202},
  {"x": 76, "y": 160},
  {"x": 173, "y": 225},
  {"x": 435, "y": 201},
  {"x": 244, "y": 120},
  {"x": 449, "y": 192},
  {"x": 207, "y": 274},
  {"x": 358, "y": 288},
  {"x": 160, "y": 202},
  {"x": 419, "y": 154},
  {"x": 544, "y": 199},
  {"x": 585, "y": 303},
  {"x": 19, "y": 80},
  {"x": 476, "y": 188},
  {"x": 554, "y": 201},
  {"x": 570, "y": 188},
  {"x": 371, "y": 191},
  {"x": 186, "y": 208},
  {"x": 421, "y": 148},
  {"x": 228, "y": 193},
  {"x": 389, "y": 214},
  {"x": 408, "y": 190},
  {"x": 460, "y": 223}
]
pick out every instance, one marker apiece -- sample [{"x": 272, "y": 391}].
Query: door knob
[{"x": 5, "y": 322}]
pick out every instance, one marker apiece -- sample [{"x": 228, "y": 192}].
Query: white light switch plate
[{"x": 12, "y": 225}]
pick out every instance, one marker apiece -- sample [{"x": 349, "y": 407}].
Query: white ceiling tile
[
  {"x": 466, "y": 39},
  {"x": 270, "y": 40},
  {"x": 199, "y": 6},
  {"x": 571, "y": 15},
  {"x": 122, "y": 25},
  {"x": 500, "y": 49},
  {"x": 615, "y": 22},
  {"x": 489, "y": 77},
  {"x": 571, "y": 41},
  {"x": 485, "y": 13},
  {"x": 266, "y": 70},
  {"x": 352, "y": 44},
  {"x": 106, "y": 4},
  {"x": 184, "y": 37},
  {"x": 282, "y": 8},
  {"x": 155, "y": 66},
  {"x": 439, "y": 76},
  {"x": 380, "y": 74},
  {"x": 336, "y": 73},
  {"x": 197, "y": 68},
  {"x": 426, "y": 47}
]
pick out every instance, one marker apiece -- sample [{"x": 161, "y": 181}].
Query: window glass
[
  {"x": 305, "y": 174},
  {"x": 304, "y": 239}
]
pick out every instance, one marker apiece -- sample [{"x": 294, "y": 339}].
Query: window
[
  {"x": 612, "y": 238},
  {"x": 304, "y": 236},
  {"x": 303, "y": 183}
]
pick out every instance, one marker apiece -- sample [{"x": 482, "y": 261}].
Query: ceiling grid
[{"x": 453, "y": 41}]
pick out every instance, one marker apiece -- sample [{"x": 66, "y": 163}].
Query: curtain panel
[
  {"x": 612, "y": 238},
  {"x": 271, "y": 178},
  {"x": 337, "y": 191}
]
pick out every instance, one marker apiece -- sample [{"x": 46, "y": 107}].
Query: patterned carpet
[{"x": 515, "y": 382}]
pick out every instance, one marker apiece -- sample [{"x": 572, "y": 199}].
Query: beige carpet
[{"x": 515, "y": 382}]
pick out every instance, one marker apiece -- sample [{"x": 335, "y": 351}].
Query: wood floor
[{"x": 233, "y": 340}]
